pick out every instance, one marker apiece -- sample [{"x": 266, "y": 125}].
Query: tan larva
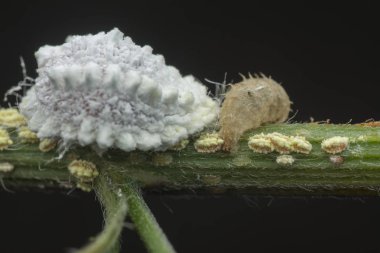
[{"x": 249, "y": 104}]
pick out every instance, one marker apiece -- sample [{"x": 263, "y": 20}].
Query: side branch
[
  {"x": 115, "y": 209},
  {"x": 145, "y": 223}
]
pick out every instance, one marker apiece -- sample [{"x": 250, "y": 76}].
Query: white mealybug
[{"x": 105, "y": 91}]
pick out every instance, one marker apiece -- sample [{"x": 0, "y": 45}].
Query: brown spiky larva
[{"x": 249, "y": 104}]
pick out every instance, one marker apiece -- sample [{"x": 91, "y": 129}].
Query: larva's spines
[{"x": 249, "y": 104}]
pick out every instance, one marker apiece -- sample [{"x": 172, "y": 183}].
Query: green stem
[
  {"x": 145, "y": 223},
  {"x": 115, "y": 198},
  {"x": 115, "y": 210},
  {"x": 243, "y": 171}
]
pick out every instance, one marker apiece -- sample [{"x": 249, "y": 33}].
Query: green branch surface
[{"x": 242, "y": 171}]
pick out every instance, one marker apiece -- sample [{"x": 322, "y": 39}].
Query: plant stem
[
  {"x": 243, "y": 171},
  {"x": 115, "y": 196},
  {"x": 115, "y": 210},
  {"x": 145, "y": 223}
]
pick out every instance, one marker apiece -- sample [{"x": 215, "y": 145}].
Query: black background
[{"x": 327, "y": 58}]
